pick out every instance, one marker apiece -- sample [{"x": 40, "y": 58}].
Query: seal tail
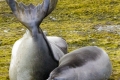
[{"x": 31, "y": 14}]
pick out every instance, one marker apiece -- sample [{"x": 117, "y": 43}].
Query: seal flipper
[
  {"x": 29, "y": 15},
  {"x": 31, "y": 6},
  {"x": 12, "y": 5}
]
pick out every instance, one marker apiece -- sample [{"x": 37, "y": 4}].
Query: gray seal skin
[
  {"x": 86, "y": 63},
  {"x": 34, "y": 56}
]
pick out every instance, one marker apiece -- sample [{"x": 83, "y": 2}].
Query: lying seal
[
  {"x": 87, "y": 63},
  {"x": 35, "y": 55}
]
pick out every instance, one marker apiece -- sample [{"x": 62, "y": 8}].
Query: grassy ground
[{"x": 77, "y": 21}]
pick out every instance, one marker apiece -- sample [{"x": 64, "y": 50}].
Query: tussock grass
[{"x": 75, "y": 21}]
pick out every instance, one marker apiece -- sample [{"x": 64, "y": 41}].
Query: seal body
[
  {"x": 27, "y": 63},
  {"x": 33, "y": 56},
  {"x": 25, "y": 57},
  {"x": 58, "y": 45},
  {"x": 87, "y": 63}
]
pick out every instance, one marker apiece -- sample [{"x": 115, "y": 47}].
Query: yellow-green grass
[{"x": 75, "y": 21}]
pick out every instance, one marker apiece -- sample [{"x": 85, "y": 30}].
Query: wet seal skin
[
  {"x": 86, "y": 63},
  {"x": 35, "y": 55}
]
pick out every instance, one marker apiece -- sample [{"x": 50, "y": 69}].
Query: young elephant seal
[{"x": 86, "y": 63}]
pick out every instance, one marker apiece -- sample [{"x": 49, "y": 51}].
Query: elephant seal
[
  {"x": 86, "y": 63},
  {"x": 33, "y": 55}
]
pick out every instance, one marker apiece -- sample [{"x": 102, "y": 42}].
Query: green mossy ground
[{"x": 75, "y": 21}]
